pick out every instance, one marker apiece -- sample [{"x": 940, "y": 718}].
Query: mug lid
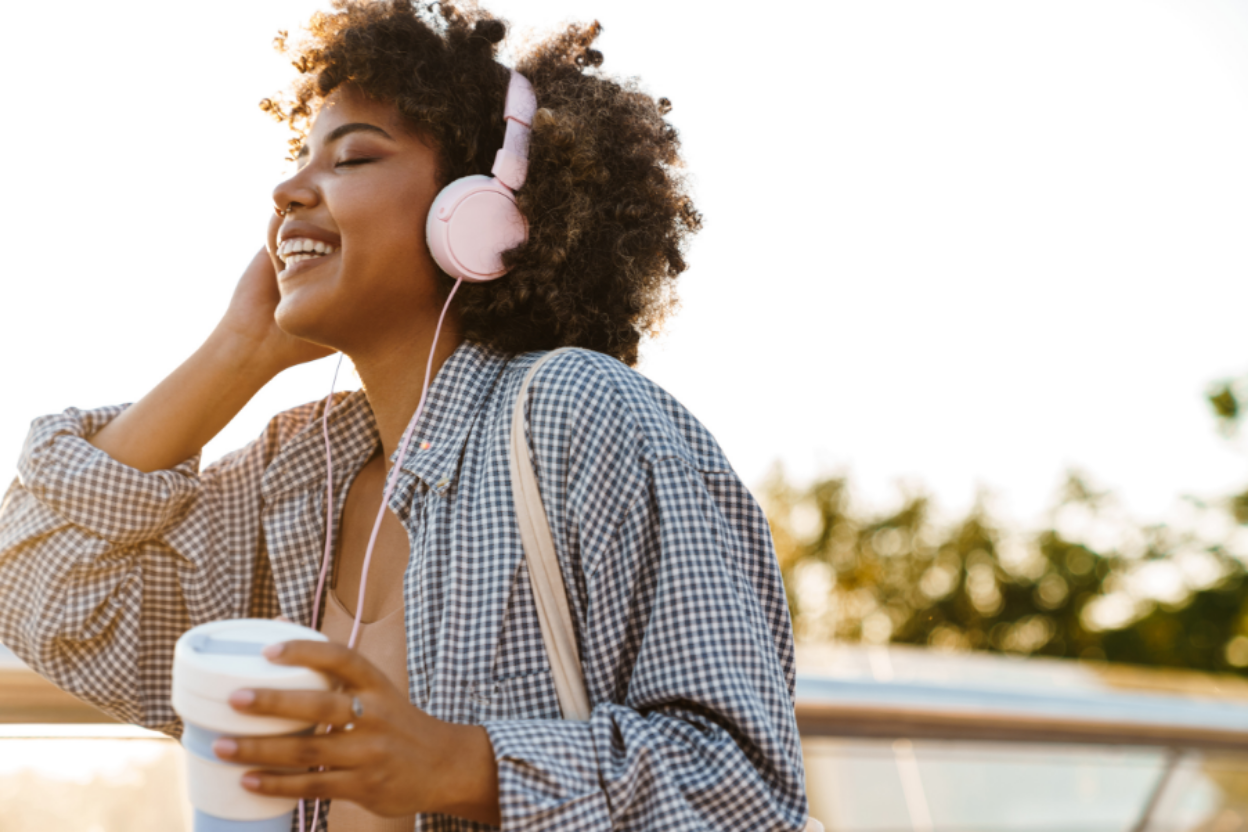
[{"x": 215, "y": 659}]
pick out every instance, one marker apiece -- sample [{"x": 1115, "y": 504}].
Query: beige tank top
[{"x": 384, "y": 643}]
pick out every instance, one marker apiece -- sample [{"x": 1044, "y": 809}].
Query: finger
[
  {"x": 337, "y": 750},
  {"x": 335, "y": 659},
  {"x": 314, "y": 785},
  {"x": 331, "y": 707},
  {"x": 270, "y": 235}
]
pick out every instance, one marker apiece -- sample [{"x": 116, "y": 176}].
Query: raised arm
[
  {"x": 191, "y": 406},
  {"x": 112, "y": 543}
]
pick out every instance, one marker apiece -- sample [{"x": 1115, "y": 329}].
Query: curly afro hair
[{"x": 608, "y": 212}]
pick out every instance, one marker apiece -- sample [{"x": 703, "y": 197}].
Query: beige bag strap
[{"x": 546, "y": 578}]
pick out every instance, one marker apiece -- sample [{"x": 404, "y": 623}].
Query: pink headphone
[{"x": 475, "y": 219}]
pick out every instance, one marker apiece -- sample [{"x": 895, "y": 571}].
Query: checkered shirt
[{"x": 676, "y": 595}]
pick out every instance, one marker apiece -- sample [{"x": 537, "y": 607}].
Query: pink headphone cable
[
  {"x": 391, "y": 479},
  {"x": 394, "y": 472},
  {"x": 329, "y": 496}
]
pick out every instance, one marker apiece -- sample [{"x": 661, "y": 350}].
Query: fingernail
[
  {"x": 273, "y": 650},
  {"x": 242, "y": 697},
  {"x": 250, "y": 781},
  {"x": 224, "y": 747}
]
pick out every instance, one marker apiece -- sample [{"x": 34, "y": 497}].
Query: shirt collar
[{"x": 455, "y": 397}]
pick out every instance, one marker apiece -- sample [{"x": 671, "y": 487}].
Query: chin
[{"x": 303, "y": 317}]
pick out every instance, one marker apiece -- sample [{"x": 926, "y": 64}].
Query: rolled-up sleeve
[
  {"x": 687, "y": 648},
  {"x": 103, "y": 566},
  {"x": 82, "y": 485}
]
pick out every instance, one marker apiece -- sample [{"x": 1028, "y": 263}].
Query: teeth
[{"x": 301, "y": 248}]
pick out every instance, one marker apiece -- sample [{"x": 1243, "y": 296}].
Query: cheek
[{"x": 386, "y": 225}]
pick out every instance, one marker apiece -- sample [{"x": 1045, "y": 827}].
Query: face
[{"x": 351, "y": 259}]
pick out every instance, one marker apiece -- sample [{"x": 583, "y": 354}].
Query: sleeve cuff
[
  {"x": 548, "y": 776},
  {"x": 89, "y": 488}
]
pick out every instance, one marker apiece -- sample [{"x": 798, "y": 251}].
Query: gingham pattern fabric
[{"x": 675, "y": 592}]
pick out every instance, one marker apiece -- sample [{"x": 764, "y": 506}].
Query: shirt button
[{"x": 444, "y": 482}]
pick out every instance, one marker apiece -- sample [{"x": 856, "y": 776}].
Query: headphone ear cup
[{"x": 471, "y": 223}]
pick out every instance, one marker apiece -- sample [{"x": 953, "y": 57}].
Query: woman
[{"x": 112, "y": 543}]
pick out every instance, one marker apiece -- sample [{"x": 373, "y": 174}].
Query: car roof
[
  {"x": 26, "y": 697},
  {"x": 898, "y": 691},
  {"x": 913, "y": 692},
  {"x": 9, "y": 660}
]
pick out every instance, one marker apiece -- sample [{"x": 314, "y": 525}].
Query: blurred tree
[
  {"x": 1226, "y": 398},
  {"x": 1092, "y": 585}
]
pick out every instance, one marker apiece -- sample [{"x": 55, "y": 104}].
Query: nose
[{"x": 294, "y": 192}]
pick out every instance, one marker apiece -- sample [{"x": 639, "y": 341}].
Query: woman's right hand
[{"x": 249, "y": 320}]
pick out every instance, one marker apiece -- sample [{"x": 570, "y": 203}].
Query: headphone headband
[
  {"x": 511, "y": 163},
  {"x": 475, "y": 219}
]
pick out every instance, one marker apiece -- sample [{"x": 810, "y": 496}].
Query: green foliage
[
  {"x": 1226, "y": 398},
  {"x": 1224, "y": 402},
  {"x": 1092, "y": 585},
  {"x": 1239, "y": 508}
]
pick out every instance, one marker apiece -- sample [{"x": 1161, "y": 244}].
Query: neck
[{"x": 393, "y": 374}]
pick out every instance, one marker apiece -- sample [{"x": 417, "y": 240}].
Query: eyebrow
[{"x": 346, "y": 129}]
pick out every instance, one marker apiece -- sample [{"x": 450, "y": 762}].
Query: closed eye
[{"x": 352, "y": 162}]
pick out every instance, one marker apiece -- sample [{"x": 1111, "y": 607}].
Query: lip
[
  {"x": 305, "y": 265},
  {"x": 299, "y": 228}
]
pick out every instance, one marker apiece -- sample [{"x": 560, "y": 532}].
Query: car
[
  {"x": 913, "y": 739},
  {"x": 67, "y": 767},
  {"x": 894, "y": 739}
]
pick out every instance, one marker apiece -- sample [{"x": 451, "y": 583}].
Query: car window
[
  {"x": 1206, "y": 792},
  {"x": 939, "y": 786}
]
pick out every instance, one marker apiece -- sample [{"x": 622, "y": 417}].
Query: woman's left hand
[{"x": 394, "y": 760}]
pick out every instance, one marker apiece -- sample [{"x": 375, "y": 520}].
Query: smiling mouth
[{"x": 300, "y": 249}]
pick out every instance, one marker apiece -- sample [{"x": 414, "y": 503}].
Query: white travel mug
[{"x": 210, "y": 662}]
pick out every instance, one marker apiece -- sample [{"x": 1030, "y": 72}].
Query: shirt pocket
[{"x": 528, "y": 696}]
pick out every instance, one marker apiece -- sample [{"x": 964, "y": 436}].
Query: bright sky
[{"x": 965, "y": 243}]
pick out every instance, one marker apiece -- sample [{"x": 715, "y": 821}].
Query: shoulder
[
  {"x": 289, "y": 453},
  {"x": 348, "y": 405},
  {"x": 599, "y": 399}
]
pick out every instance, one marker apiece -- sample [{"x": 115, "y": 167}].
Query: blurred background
[{"x": 968, "y": 313}]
